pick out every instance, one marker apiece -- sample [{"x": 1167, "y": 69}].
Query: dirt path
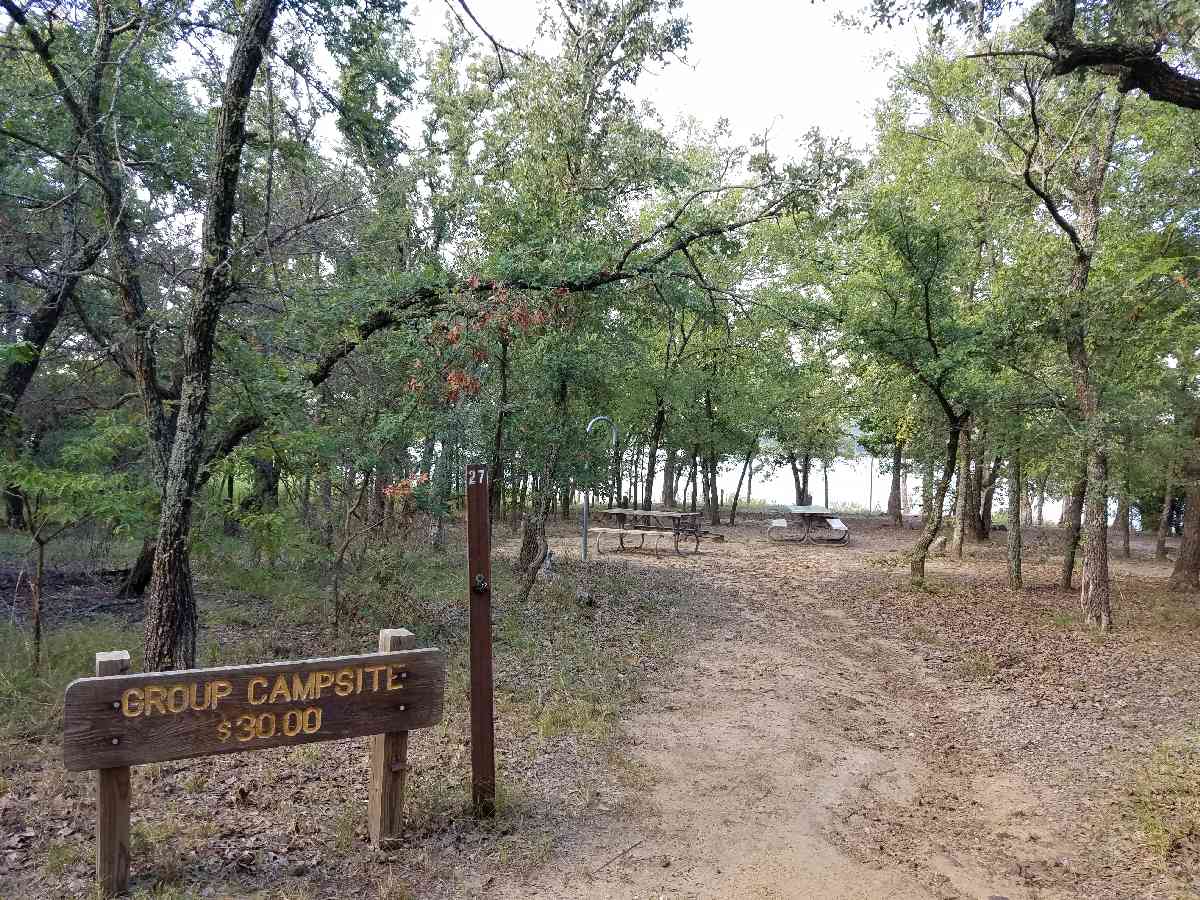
[{"x": 778, "y": 734}]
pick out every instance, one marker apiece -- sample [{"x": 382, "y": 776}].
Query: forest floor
[{"x": 759, "y": 720}]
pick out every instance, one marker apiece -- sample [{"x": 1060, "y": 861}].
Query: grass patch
[
  {"x": 31, "y": 705},
  {"x": 1166, "y": 799},
  {"x": 978, "y": 664},
  {"x": 60, "y": 857},
  {"x": 1063, "y": 619}
]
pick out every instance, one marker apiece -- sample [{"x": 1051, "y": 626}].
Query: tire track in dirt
[{"x": 771, "y": 731}]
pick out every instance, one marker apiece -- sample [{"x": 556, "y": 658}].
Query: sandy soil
[{"x": 828, "y": 744}]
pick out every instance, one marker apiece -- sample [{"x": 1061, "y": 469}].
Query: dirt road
[{"x": 800, "y": 754}]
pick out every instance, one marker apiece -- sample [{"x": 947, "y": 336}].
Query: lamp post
[{"x": 587, "y": 488}]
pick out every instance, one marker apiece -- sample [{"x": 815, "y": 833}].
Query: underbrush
[{"x": 571, "y": 662}]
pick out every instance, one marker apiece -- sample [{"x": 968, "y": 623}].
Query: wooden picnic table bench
[
  {"x": 681, "y": 528},
  {"x": 808, "y": 523}
]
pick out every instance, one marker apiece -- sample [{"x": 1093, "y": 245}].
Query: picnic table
[
  {"x": 808, "y": 523},
  {"x": 681, "y": 528}
]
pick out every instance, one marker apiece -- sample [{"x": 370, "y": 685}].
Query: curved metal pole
[{"x": 587, "y": 489}]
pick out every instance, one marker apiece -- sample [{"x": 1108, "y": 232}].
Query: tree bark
[
  {"x": 669, "y": 479},
  {"x": 895, "y": 507},
  {"x": 264, "y": 490},
  {"x": 1094, "y": 595},
  {"x": 1164, "y": 521},
  {"x": 695, "y": 474},
  {"x": 1186, "y": 573},
  {"x": 805, "y": 472},
  {"x": 714, "y": 498},
  {"x": 1095, "y": 591},
  {"x": 1073, "y": 513},
  {"x": 749, "y": 459},
  {"x": 933, "y": 516},
  {"x": 534, "y": 545},
  {"x": 138, "y": 578},
  {"x": 984, "y": 532},
  {"x": 1185, "y": 576},
  {"x": 793, "y": 462},
  {"x": 962, "y": 497},
  {"x": 1016, "y": 496},
  {"x": 975, "y": 498},
  {"x": 1139, "y": 66},
  {"x": 656, "y": 433}
]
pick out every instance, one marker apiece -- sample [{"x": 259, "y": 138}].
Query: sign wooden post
[
  {"x": 479, "y": 588},
  {"x": 117, "y": 720},
  {"x": 389, "y": 761},
  {"x": 112, "y": 803}
]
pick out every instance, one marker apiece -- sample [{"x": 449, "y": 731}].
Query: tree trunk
[
  {"x": 1073, "y": 520},
  {"x": 669, "y": 479},
  {"x": 1186, "y": 573},
  {"x": 695, "y": 479},
  {"x": 325, "y": 491},
  {"x": 933, "y": 516},
  {"x": 984, "y": 532},
  {"x": 1016, "y": 496},
  {"x": 825, "y": 473},
  {"x": 927, "y": 483},
  {"x": 138, "y": 578},
  {"x": 975, "y": 500},
  {"x": 749, "y": 459},
  {"x": 1094, "y": 596},
  {"x": 170, "y": 622},
  {"x": 264, "y": 491},
  {"x": 1185, "y": 576},
  {"x": 1041, "y": 501},
  {"x": 894, "y": 507},
  {"x": 35, "y": 594},
  {"x": 1121, "y": 522},
  {"x": 618, "y": 473},
  {"x": 534, "y": 546},
  {"x": 306, "y": 499},
  {"x": 1164, "y": 521},
  {"x": 14, "y": 501},
  {"x": 792, "y": 461},
  {"x": 805, "y": 471},
  {"x": 714, "y": 501},
  {"x": 962, "y": 497},
  {"x": 656, "y": 433}
]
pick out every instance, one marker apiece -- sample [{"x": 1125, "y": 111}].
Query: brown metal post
[{"x": 479, "y": 588}]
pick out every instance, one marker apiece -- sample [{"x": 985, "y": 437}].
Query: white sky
[{"x": 782, "y": 66}]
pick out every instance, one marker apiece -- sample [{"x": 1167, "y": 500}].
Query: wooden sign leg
[
  {"x": 112, "y": 804},
  {"x": 389, "y": 760}
]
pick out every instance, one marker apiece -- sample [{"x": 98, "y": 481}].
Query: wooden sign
[
  {"x": 128, "y": 720},
  {"x": 117, "y": 720}
]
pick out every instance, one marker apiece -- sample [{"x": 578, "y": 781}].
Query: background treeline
[{"x": 277, "y": 271}]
